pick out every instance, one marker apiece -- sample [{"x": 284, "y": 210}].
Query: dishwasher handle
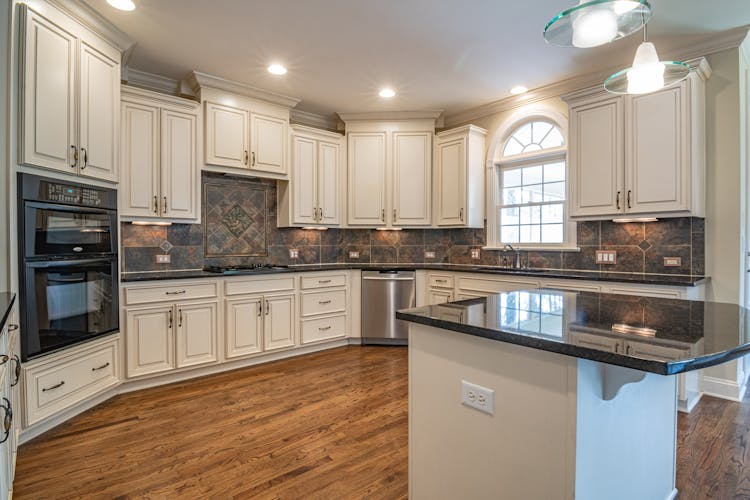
[{"x": 390, "y": 278}]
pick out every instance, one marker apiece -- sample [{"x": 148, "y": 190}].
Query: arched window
[{"x": 532, "y": 186}]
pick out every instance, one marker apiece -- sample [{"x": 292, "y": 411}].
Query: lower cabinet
[
  {"x": 324, "y": 307},
  {"x": 10, "y": 406},
  {"x": 259, "y": 323},
  {"x": 438, "y": 296},
  {"x": 278, "y": 322}
]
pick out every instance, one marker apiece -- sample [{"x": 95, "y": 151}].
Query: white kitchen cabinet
[
  {"x": 638, "y": 155},
  {"x": 312, "y": 195},
  {"x": 244, "y": 326},
  {"x": 438, "y": 296},
  {"x": 367, "y": 178},
  {"x": 268, "y": 144},
  {"x": 160, "y": 174},
  {"x": 197, "y": 333},
  {"x": 279, "y": 322},
  {"x": 227, "y": 135},
  {"x": 412, "y": 178},
  {"x": 459, "y": 177},
  {"x": 70, "y": 95},
  {"x": 150, "y": 340}
]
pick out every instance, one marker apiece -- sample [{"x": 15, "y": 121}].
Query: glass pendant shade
[
  {"x": 596, "y": 22},
  {"x": 647, "y": 74}
]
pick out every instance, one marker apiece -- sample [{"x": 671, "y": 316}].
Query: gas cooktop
[{"x": 243, "y": 269}]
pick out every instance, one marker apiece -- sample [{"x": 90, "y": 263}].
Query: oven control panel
[{"x": 62, "y": 193}]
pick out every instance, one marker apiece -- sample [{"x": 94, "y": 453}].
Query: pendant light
[
  {"x": 596, "y": 22},
  {"x": 648, "y": 73}
]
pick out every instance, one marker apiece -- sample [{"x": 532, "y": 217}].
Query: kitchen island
[{"x": 569, "y": 395}]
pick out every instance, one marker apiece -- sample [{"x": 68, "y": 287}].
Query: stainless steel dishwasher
[{"x": 384, "y": 293}]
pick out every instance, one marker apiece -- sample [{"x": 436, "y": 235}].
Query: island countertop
[{"x": 662, "y": 336}]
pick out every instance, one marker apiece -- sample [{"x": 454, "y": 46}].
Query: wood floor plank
[{"x": 323, "y": 426}]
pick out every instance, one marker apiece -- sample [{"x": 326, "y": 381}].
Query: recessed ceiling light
[
  {"x": 277, "y": 69},
  {"x": 122, "y": 4},
  {"x": 387, "y": 93},
  {"x": 518, "y": 89}
]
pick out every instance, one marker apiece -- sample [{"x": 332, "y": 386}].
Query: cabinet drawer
[
  {"x": 323, "y": 281},
  {"x": 255, "y": 286},
  {"x": 171, "y": 293},
  {"x": 440, "y": 281},
  {"x": 314, "y": 330},
  {"x": 598, "y": 342},
  {"x": 665, "y": 293},
  {"x": 495, "y": 285},
  {"x": 59, "y": 383},
  {"x": 323, "y": 302}
]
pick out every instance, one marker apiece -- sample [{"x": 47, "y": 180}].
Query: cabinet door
[
  {"x": 244, "y": 324},
  {"x": 48, "y": 95},
  {"x": 438, "y": 297},
  {"x": 196, "y": 334},
  {"x": 268, "y": 144},
  {"x": 139, "y": 183},
  {"x": 279, "y": 323},
  {"x": 179, "y": 170},
  {"x": 149, "y": 336},
  {"x": 328, "y": 183},
  {"x": 305, "y": 179},
  {"x": 99, "y": 114},
  {"x": 451, "y": 180},
  {"x": 412, "y": 178},
  {"x": 656, "y": 157},
  {"x": 366, "y": 178},
  {"x": 658, "y": 352},
  {"x": 596, "y": 156},
  {"x": 598, "y": 342},
  {"x": 227, "y": 136}
]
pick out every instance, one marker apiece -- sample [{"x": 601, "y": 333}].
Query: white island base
[{"x": 562, "y": 427}]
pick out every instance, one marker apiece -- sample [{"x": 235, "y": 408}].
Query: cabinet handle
[
  {"x": 62, "y": 383},
  {"x": 618, "y": 200},
  {"x": 322, "y": 282},
  {"x": 7, "y": 420},
  {"x": 324, "y": 328},
  {"x": 324, "y": 302},
  {"x": 17, "y": 370},
  {"x": 169, "y": 322},
  {"x": 382, "y": 215},
  {"x": 85, "y": 158},
  {"x": 4, "y": 359},
  {"x": 100, "y": 367},
  {"x": 320, "y": 216},
  {"x": 268, "y": 308},
  {"x": 178, "y": 292},
  {"x": 253, "y": 162},
  {"x": 394, "y": 215},
  {"x": 165, "y": 204},
  {"x": 629, "y": 198},
  {"x": 12, "y": 327},
  {"x": 245, "y": 159},
  {"x": 179, "y": 318},
  {"x": 75, "y": 157},
  {"x": 260, "y": 308},
  {"x": 627, "y": 350},
  {"x": 156, "y": 204},
  {"x": 461, "y": 214},
  {"x": 617, "y": 347}
]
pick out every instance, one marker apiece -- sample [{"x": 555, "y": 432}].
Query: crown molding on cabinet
[
  {"x": 150, "y": 81},
  {"x": 94, "y": 21},
  {"x": 131, "y": 91},
  {"x": 195, "y": 80},
  {"x": 314, "y": 120},
  {"x": 709, "y": 45},
  {"x": 436, "y": 115}
]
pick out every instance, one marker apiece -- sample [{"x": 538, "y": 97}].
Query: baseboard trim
[
  {"x": 723, "y": 388},
  {"x": 127, "y": 386},
  {"x": 687, "y": 405},
  {"x": 672, "y": 495}
]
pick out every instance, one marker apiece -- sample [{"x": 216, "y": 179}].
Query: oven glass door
[
  {"x": 54, "y": 230},
  {"x": 69, "y": 302}
]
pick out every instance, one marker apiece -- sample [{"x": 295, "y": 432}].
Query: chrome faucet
[{"x": 516, "y": 260}]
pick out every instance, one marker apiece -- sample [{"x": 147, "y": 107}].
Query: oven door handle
[
  {"x": 68, "y": 208},
  {"x": 58, "y": 263}
]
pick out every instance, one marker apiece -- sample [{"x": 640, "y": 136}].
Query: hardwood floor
[{"x": 328, "y": 425}]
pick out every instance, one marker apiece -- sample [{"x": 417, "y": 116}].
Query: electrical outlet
[
  {"x": 672, "y": 261},
  {"x": 294, "y": 253},
  {"x": 429, "y": 255},
  {"x": 163, "y": 259},
  {"x": 606, "y": 257},
  {"x": 476, "y": 253},
  {"x": 354, "y": 254},
  {"x": 478, "y": 397}
]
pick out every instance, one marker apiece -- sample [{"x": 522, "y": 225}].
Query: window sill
[{"x": 529, "y": 248}]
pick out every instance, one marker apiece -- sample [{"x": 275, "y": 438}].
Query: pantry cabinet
[
  {"x": 70, "y": 96},
  {"x": 638, "y": 155},
  {"x": 160, "y": 174}
]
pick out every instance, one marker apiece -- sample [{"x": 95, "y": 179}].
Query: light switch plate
[
  {"x": 607, "y": 257},
  {"x": 476, "y": 253},
  {"x": 672, "y": 261},
  {"x": 163, "y": 259},
  {"x": 429, "y": 255},
  {"x": 353, "y": 254},
  {"x": 293, "y": 253}
]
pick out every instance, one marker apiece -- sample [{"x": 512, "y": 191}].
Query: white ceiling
[{"x": 446, "y": 54}]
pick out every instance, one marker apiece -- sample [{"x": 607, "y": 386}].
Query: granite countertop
[
  {"x": 663, "y": 336},
  {"x": 638, "y": 278},
  {"x": 6, "y": 304}
]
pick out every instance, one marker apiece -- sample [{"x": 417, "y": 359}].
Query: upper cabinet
[
  {"x": 312, "y": 196},
  {"x": 227, "y": 136},
  {"x": 160, "y": 153},
  {"x": 389, "y": 173},
  {"x": 639, "y": 155},
  {"x": 70, "y": 96},
  {"x": 459, "y": 177}
]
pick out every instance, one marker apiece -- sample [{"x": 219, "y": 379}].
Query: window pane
[
  {"x": 509, "y": 234},
  {"x": 532, "y": 194},
  {"x": 553, "y": 140},
  {"x": 531, "y": 215},
  {"x": 552, "y": 214},
  {"x": 510, "y": 216},
  {"x": 552, "y": 233},
  {"x": 512, "y": 147},
  {"x": 554, "y": 172},
  {"x": 539, "y": 130},
  {"x": 523, "y": 134},
  {"x": 554, "y": 191},
  {"x": 530, "y": 234},
  {"x": 512, "y": 178},
  {"x": 532, "y": 175},
  {"x": 511, "y": 196}
]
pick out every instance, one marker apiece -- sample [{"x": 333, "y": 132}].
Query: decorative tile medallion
[
  {"x": 236, "y": 220},
  {"x": 166, "y": 246}
]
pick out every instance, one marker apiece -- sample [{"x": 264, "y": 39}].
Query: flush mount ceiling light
[
  {"x": 596, "y": 22},
  {"x": 387, "y": 93},
  {"x": 122, "y": 4},
  {"x": 277, "y": 69},
  {"x": 648, "y": 73},
  {"x": 518, "y": 89}
]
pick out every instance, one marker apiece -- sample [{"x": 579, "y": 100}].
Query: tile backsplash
[{"x": 640, "y": 247}]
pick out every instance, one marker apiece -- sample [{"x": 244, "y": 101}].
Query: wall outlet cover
[
  {"x": 353, "y": 254},
  {"x": 672, "y": 261},
  {"x": 607, "y": 257},
  {"x": 429, "y": 255},
  {"x": 294, "y": 253},
  {"x": 478, "y": 397},
  {"x": 476, "y": 254},
  {"x": 163, "y": 259}
]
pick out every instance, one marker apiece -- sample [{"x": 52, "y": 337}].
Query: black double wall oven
[{"x": 68, "y": 263}]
